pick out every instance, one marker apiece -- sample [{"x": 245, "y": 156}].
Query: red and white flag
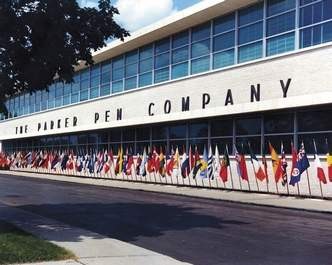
[{"x": 320, "y": 171}]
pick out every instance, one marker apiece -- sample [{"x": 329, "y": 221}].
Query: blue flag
[{"x": 302, "y": 164}]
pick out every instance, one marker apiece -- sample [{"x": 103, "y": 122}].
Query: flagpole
[
  {"x": 320, "y": 183},
  {"x": 308, "y": 182},
  {"x": 252, "y": 163}
]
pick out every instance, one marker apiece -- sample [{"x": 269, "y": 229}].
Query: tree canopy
[{"x": 42, "y": 39}]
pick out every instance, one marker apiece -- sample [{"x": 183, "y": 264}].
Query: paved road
[{"x": 198, "y": 231}]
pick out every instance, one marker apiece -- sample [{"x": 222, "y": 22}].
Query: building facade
[{"x": 219, "y": 73}]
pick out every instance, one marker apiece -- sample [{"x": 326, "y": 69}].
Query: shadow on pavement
[{"x": 129, "y": 221}]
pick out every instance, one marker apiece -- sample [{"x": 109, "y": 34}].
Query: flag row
[{"x": 209, "y": 165}]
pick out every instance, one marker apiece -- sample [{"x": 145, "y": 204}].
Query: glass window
[
  {"x": 75, "y": 86},
  {"x": 85, "y": 74},
  {"x": 320, "y": 140},
  {"x": 200, "y": 65},
  {"x": 279, "y": 123},
  {"x": 118, "y": 62},
  {"x": 145, "y": 79},
  {"x": 117, "y": 86},
  {"x": 276, "y": 141},
  {"x": 281, "y": 44},
  {"x": 162, "y": 60},
  {"x": 130, "y": 83},
  {"x": 281, "y": 23},
  {"x": 117, "y": 74},
  {"x": 327, "y": 9},
  {"x": 128, "y": 134},
  {"x": 131, "y": 69},
  {"x": 132, "y": 57},
  {"x": 94, "y": 92},
  {"x": 67, "y": 89},
  {"x": 199, "y": 129},
  {"x": 145, "y": 65},
  {"x": 177, "y": 131},
  {"x": 85, "y": 84},
  {"x": 180, "y": 54},
  {"x": 251, "y": 14},
  {"x": 242, "y": 144},
  {"x": 106, "y": 67},
  {"x": 251, "y": 33},
  {"x": 162, "y": 46},
  {"x": 221, "y": 127},
  {"x": 223, "y": 59},
  {"x": 161, "y": 75},
  {"x": 250, "y": 52},
  {"x": 105, "y": 77},
  {"x": 159, "y": 132},
  {"x": 59, "y": 89},
  {"x": 105, "y": 90},
  {"x": 311, "y": 36},
  {"x": 248, "y": 126},
  {"x": 224, "y": 41},
  {"x": 311, "y": 14},
  {"x": 115, "y": 135},
  {"x": 314, "y": 121},
  {"x": 84, "y": 95},
  {"x": 95, "y": 70},
  {"x": 143, "y": 133},
  {"x": 74, "y": 97},
  {"x": 303, "y": 2},
  {"x": 224, "y": 24},
  {"x": 95, "y": 81},
  {"x": 201, "y": 32},
  {"x": 200, "y": 48},
  {"x": 179, "y": 70},
  {"x": 327, "y": 32},
  {"x": 180, "y": 39},
  {"x": 278, "y": 6},
  {"x": 146, "y": 52}
]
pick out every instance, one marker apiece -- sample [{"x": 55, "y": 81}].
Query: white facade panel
[{"x": 308, "y": 85}]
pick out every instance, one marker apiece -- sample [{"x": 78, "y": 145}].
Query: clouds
[{"x": 135, "y": 14}]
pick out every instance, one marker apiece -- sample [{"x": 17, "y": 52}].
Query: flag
[
  {"x": 130, "y": 163},
  {"x": 191, "y": 160},
  {"x": 170, "y": 164},
  {"x": 276, "y": 163},
  {"x": 258, "y": 168},
  {"x": 185, "y": 169},
  {"x": 264, "y": 162},
  {"x": 318, "y": 165},
  {"x": 109, "y": 161},
  {"x": 216, "y": 164},
  {"x": 302, "y": 164},
  {"x": 142, "y": 169},
  {"x": 204, "y": 164},
  {"x": 223, "y": 173},
  {"x": 119, "y": 162},
  {"x": 241, "y": 164},
  {"x": 210, "y": 162},
  {"x": 283, "y": 165},
  {"x": 156, "y": 160},
  {"x": 329, "y": 161},
  {"x": 162, "y": 163},
  {"x": 138, "y": 163},
  {"x": 197, "y": 163},
  {"x": 151, "y": 161}
]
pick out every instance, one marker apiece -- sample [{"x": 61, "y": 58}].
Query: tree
[{"x": 44, "y": 39}]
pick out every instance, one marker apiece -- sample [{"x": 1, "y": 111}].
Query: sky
[{"x": 135, "y": 14}]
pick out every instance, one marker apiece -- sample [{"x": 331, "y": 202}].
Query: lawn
[{"x": 17, "y": 246}]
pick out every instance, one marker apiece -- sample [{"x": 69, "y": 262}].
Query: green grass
[{"x": 17, "y": 246}]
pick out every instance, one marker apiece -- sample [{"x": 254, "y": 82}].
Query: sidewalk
[
  {"x": 90, "y": 248},
  {"x": 307, "y": 204}
]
